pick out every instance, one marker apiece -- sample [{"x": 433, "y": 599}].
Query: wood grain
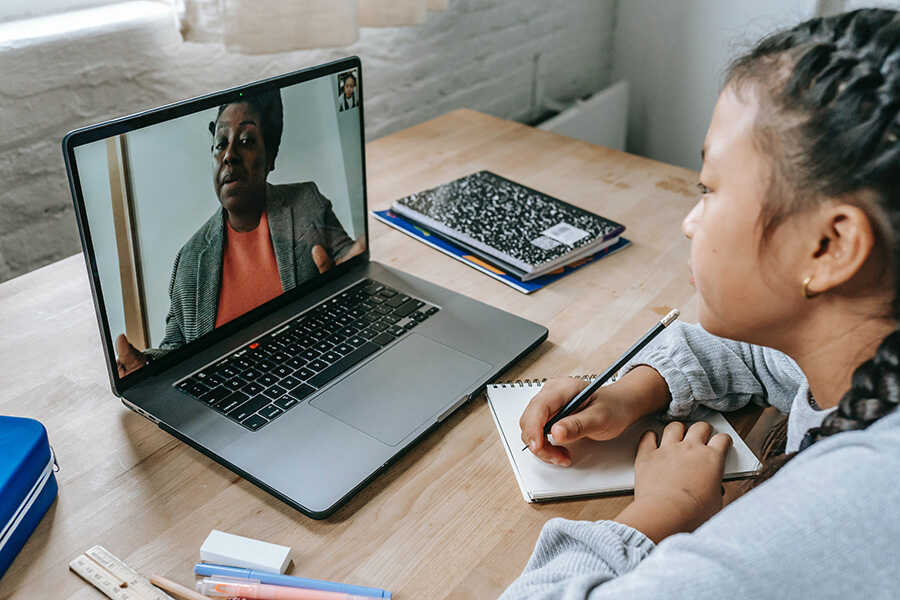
[{"x": 447, "y": 519}]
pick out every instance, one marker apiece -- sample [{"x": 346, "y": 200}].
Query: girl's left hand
[{"x": 677, "y": 486}]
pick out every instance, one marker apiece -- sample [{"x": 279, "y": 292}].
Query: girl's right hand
[{"x": 607, "y": 414}]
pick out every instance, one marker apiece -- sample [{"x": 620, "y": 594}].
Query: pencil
[
  {"x": 176, "y": 589},
  {"x": 575, "y": 403}
]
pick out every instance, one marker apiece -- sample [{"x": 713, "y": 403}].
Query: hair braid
[
  {"x": 874, "y": 392},
  {"x": 832, "y": 120}
]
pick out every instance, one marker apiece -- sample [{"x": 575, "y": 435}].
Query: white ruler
[{"x": 113, "y": 577}]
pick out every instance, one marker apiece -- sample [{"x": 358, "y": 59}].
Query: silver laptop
[{"x": 228, "y": 250}]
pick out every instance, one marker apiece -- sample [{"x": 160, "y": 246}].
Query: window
[{"x": 15, "y": 10}]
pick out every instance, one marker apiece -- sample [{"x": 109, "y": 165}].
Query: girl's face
[{"x": 745, "y": 292}]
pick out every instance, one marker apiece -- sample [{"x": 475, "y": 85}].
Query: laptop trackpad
[{"x": 407, "y": 386}]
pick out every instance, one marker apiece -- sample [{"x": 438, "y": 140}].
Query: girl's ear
[{"x": 846, "y": 240}]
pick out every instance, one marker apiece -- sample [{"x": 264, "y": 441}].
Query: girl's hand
[
  {"x": 677, "y": 486},
  {"x": 603, "y": 417}
]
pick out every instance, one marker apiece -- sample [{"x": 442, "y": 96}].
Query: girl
[{"x": 794, "y": 253}]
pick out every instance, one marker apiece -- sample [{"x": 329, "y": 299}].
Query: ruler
[{"x": 113, "y": 577}]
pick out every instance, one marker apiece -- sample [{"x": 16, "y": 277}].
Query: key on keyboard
[{"x": 274, "y": 373}]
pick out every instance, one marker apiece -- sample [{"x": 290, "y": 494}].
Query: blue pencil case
[{"x": 27, "y": 483}]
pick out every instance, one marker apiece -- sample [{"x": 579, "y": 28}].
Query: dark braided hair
[
  {"x": 270, "y": 108},
  {"x": 829, "y": 94}
]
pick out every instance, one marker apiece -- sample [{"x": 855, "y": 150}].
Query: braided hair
[{"x": 830, "y": 117}]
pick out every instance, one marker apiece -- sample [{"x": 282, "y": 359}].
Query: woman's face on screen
[{"x": 240, "y": 164}]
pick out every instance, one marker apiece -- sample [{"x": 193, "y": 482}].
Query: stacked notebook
[
  {"x": 597, "y": 467},
  {"x": 441, "y": 244},
  {"x": 512, "y": 227}
]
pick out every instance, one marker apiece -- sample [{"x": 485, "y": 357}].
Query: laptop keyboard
[{"x": 257, "y": 383}]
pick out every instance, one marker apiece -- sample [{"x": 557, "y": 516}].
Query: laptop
[{"x": 227, "y": 246}]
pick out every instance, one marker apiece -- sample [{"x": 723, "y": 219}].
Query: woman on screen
[{"x": 264, "y": 240}]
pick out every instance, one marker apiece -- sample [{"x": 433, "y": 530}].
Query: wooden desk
[{"x": 447, "y": 520}]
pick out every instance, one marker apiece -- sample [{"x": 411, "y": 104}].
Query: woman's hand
[
  {"x": 324, "y": 262},
  {"x": 607, "y": 414},
  {"x": 129, "y": 358},
  {"x": 677, "y": 486}
]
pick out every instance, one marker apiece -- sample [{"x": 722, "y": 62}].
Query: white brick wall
[{"x": 479, "y": 54}]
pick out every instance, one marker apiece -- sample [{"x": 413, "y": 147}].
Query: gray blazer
[{"x": 299, "y": 218}]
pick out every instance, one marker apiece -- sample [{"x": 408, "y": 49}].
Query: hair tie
[{"x": 807, "y": 440}]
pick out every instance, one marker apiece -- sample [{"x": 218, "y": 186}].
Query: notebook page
[{"x": 597, "y": 467}]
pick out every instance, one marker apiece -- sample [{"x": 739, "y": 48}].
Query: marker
[
  {"x": 206, "y": 569},
  {"x": 241, "y": 588},
  {"x": 575, "y": 403}
]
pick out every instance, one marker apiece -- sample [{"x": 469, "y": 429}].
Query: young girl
[{"x": 795, "y": 258}]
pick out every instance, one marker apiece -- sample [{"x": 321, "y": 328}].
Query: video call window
[
  {"x": 347, "y": 84},
  {"x": 197, "y": 220}
]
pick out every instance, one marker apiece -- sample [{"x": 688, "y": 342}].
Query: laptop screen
[{"x": 197, "y": 219}]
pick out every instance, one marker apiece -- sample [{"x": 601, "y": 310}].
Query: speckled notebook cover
[{"x": 525, "y": 227}]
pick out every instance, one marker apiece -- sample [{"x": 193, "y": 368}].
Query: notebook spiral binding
[
  {"x": 519, "y": 382},
  {"x": 537, "y": 382}
]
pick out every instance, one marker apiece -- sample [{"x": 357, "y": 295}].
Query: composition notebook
[
  {"x": 526, "y": 230},
  {"x": 455, "y": 251},
  {"x": 597, "y": 467}
]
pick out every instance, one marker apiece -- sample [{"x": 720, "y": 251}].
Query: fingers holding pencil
[
  {"x": 571, "y": 409},
  {"x": 554, "y": 394}
]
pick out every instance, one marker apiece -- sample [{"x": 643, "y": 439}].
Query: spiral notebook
[{"x": 598, "y": 468}]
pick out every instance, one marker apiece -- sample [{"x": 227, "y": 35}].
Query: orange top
[{"x": 249, "y": 271}]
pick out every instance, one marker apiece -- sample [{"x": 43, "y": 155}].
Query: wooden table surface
[{"x": 447, "y": 520}]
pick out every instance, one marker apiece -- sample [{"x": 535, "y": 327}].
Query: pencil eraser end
[{"x": 231, "y": 550}]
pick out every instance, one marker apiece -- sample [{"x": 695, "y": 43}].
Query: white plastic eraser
[{"x": 231, "y": 550}]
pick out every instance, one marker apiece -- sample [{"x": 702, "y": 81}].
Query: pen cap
[
  {"x": 216, "y": 586},
  {"x": 226, "y": 579}
]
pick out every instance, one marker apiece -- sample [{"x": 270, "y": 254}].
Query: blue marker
[{"x": 208, "y": 570}]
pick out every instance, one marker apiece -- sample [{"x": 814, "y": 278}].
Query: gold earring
[{"x": 806, "y": 288}]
